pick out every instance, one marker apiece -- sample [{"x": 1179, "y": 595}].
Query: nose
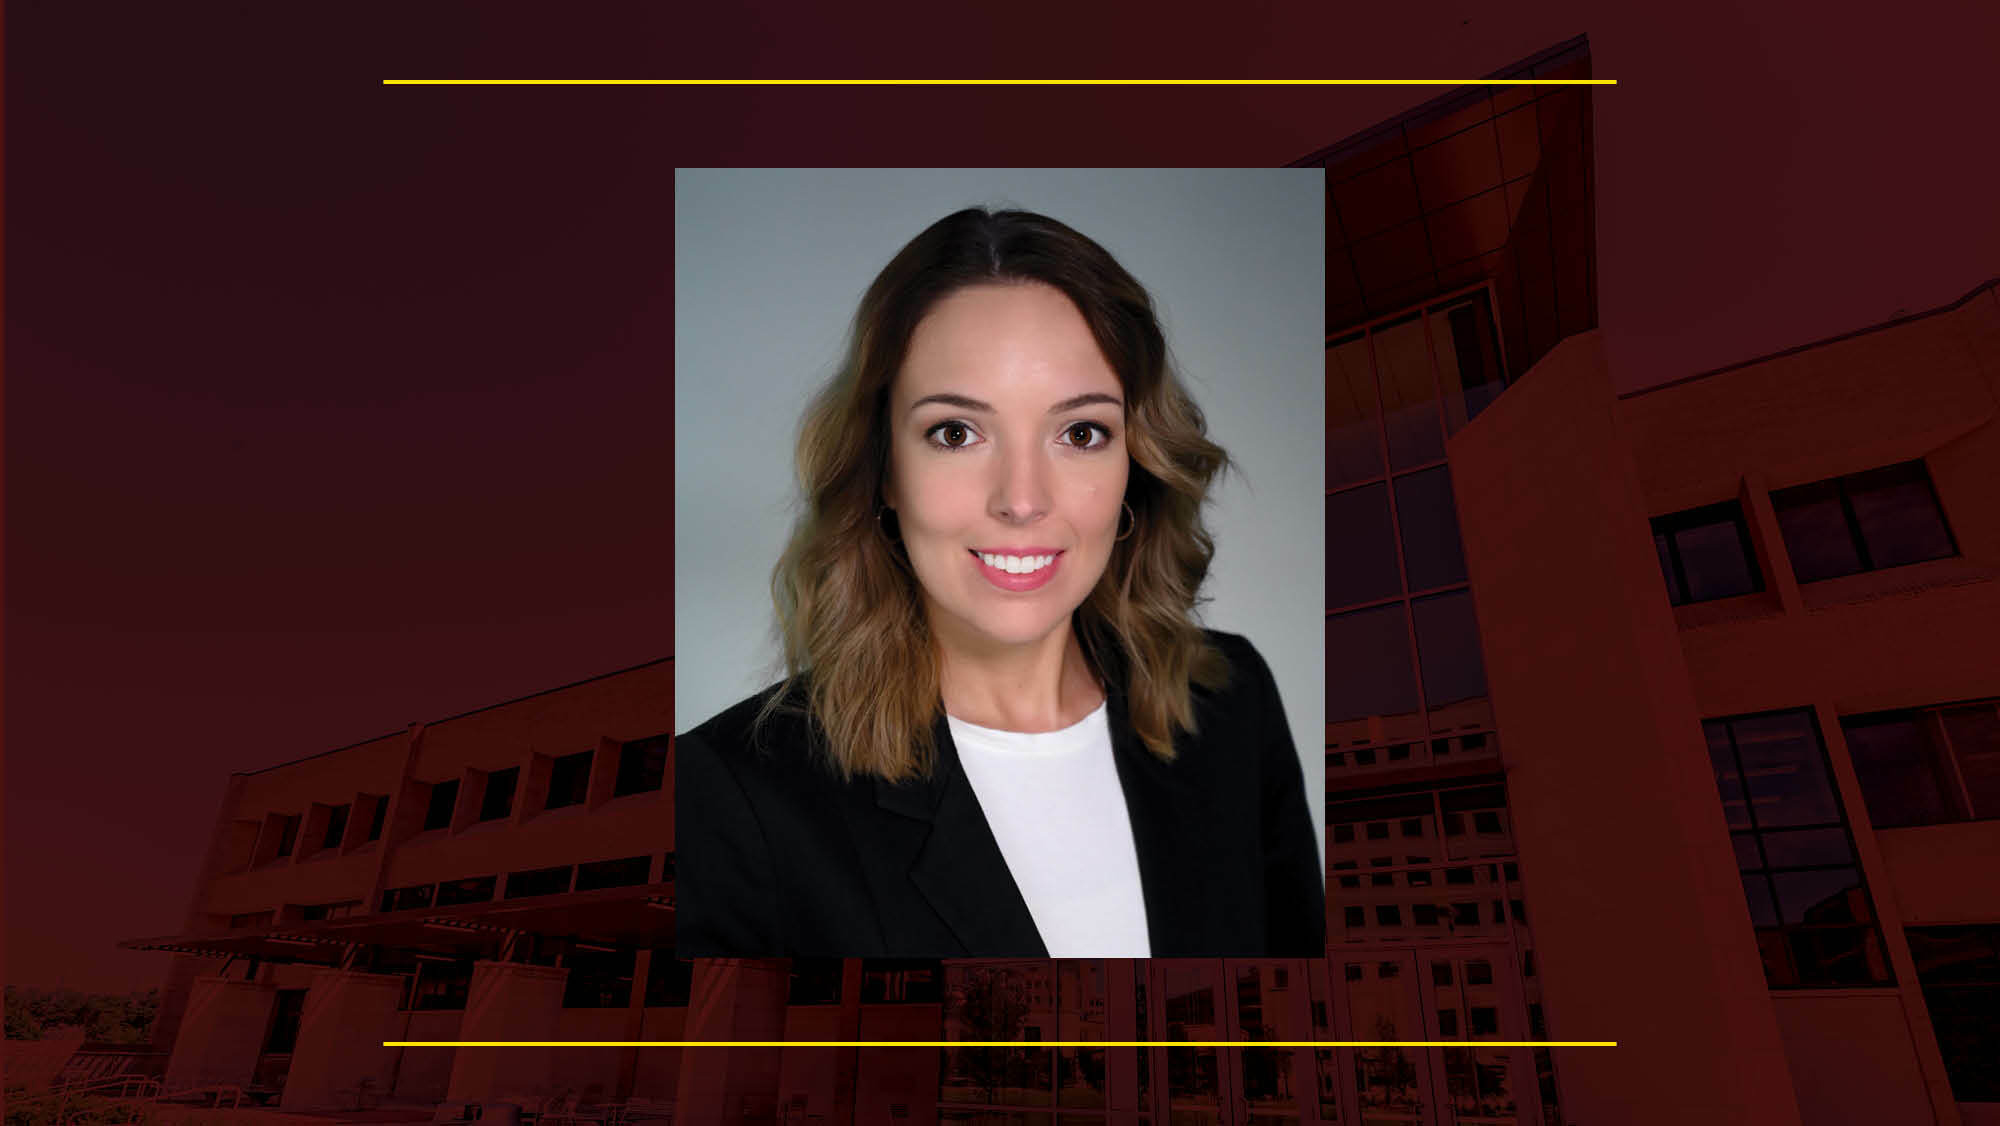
[{"x": 1020, "y": 487}]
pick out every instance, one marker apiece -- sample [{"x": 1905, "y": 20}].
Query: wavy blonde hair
[{"x": 858, "y": 652}]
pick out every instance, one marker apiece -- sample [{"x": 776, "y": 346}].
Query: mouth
[{"x": 1017, "y": 570}]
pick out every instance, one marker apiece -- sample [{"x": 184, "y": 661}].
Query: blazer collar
[
  {"x": 961, "y": 872},
  {"x": 959, "y": 868}
]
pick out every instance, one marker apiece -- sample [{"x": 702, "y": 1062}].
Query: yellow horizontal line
[
  {"x": 999, "y": 82},
  {"x": 999, "y": 1043}
]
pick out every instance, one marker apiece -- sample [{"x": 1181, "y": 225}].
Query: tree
[{"x": 987, "y": 1004}]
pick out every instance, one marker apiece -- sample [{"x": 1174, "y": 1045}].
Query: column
[
  {"x": 508, "y": 1001},
  {"x": 222, "y": 1032},
  {"x": 734, "y": 999},
  {"x": 339, "y": 1060}
]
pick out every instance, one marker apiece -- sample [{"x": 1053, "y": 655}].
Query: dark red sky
[{"x": 331, "y": 407}]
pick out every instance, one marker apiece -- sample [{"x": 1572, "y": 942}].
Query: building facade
[{"x": 1731, "y": 800}]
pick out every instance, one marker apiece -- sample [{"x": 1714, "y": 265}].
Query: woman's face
[{"x": 1007, "y": 463}]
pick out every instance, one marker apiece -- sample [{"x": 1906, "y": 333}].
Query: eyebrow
[{"x": 966, "y": 402}]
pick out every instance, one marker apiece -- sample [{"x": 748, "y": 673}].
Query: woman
[{"x": 1002, "y": 733}]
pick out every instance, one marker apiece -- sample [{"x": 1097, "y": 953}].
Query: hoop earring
[
  {"x": 1131, "y": 527},
  {"x": 883, "y": 526}
]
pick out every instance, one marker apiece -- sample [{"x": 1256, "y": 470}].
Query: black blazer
[{"x": 778, "y": 856}]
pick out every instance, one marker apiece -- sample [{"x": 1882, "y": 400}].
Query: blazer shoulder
[
  {"x": 1248, "y": 674},
  {"x": 736, "y": 733}
]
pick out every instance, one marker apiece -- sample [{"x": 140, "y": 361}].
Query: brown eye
[
  {"x": 1086, "y": 435},
  {"x": 950, "y": 435}
]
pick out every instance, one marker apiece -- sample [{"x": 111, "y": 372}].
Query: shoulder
[
  {"x": 1248, "y": 674},
  {"x": 766, "y": 730}
]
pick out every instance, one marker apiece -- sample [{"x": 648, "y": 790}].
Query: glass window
[
  {"x": 288, "y": 834},
  {"x": 475, "y": 889},
  {"x": 1429, "y": 522},
  {"x": 336, "y": 827},
  {"x": 1898, "y": 514},
  {"x": 1906, "y": 778},
  {"x": 538, "y": 881},
  {"x": 569, "y": 780},
  {"x": 642, "y": 766},
  {"x": 815, "y": 981},
  {"x": 1959, "y": 968},
  {"x": 1705, "y": 553},
  {"x": 1815, "y": 926},
  {"x": 377, "y": 817},
  {"x": 1409, "y": 395},
  {"x": 498, "y": 799},
  {"x": 1353, "y": 435},
  {"x": 669, "y": 980},
  {"x": 1885, "y": 517},
  {"x": 443, "y": 799},
  {"x": 442, "y": 983},
  {"x": 1974, "y": 733},
  {"x": 1368, "y": 664},
  {"x": 630, "y": 871},
  {"x": 1468, "y": 358},
  {"x": 1929, "y": 766},
  {"x": 409, "y": 898},
  {"x": 1361, "y": 548},
  {"x": 1448, "y": 645},
  {"x": 1813, "y": 521},
  {"x": 599, "y": 977}
]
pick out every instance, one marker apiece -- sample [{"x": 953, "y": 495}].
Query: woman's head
[{"x": 1002, "y": 453}]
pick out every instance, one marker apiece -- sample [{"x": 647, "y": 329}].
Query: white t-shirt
[{"x": 1057, "y": 810}]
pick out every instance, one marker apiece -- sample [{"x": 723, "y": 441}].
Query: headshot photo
[{"x": 998, "y": 531}]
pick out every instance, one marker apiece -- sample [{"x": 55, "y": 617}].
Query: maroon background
[{"x": 331, "y": 406}]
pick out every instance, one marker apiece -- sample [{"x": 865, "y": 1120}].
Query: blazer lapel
[
  {"x": 1167, "y": 811},
  {"x": 958, "y": 868}
]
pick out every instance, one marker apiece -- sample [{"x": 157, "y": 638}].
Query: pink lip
[{"x": 1034, "y": 580}]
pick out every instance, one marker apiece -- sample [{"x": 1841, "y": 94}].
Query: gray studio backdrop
[{"x": 768, "y": 267}]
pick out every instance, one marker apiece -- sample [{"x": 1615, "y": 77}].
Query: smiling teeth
[{"x": 1016, "y": 564}]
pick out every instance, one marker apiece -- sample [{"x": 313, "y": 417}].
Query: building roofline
[
  {"x": 1516, "y": 69},
  {"x": 1892, "y": 322},
  {"x": 460, "y": 715}
]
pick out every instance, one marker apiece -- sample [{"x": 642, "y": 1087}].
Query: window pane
[
  {"x": 1353, "y": 437},
  {"x": 1429, "y": 523},
  {"x": 569, "y": 780},
  {"x": 1747, "y": 856},
  {"x": 1903, "y": 779},
  {"x": 1448, "y": 645},
  {"x": 1969, "y": 1038},
  {"x": 336, "y": 826},
  {"x": 1801, "y": 848},
  {"x": 1960, "y": 971},
  {"x": 1368, "y": 664},
  {"x": 1763, "y": 909},
  {"x": 1831, "y": 896},
  {"x": 1839, "y": 956},
  {"x": 1468, "y": 358},
  {"x": 444, "y": 798},
  {"x": 1360, "y": 547},
  {"x": 642, "y": 766},
  {"x": 1735, "y": 808},
  {"x": 498, "y": 800},
  {"x": 1675, "y": 595},
  {"x": 1716, "y": 561},
  {"x": 1975, "y": 740},
  {"x": 1898, "y": 514},
  {"x": 1409, "y": 395},
  {"x": 1815, "y": 531},
  {"x": 1784, "y": 770}
]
